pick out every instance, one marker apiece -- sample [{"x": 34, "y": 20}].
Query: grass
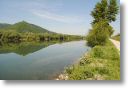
[
  {"x": 117, "y": 37},
  {"x": 101, "y": 63}
]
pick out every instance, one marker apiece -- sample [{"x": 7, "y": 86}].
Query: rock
[
  {"x": 98, "y": 77},
  {"x": 62, "y": 77},
  {"x": 56, "y": 79},
  {"x": 66, "y": 77}
]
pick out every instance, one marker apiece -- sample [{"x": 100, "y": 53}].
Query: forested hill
[
  {"x": 24, "y": 31},
  {"x": 23, "y": 27}
]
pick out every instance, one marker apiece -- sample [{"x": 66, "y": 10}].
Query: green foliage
[
  {"x": 112, "y": 10},
  {"x": 9, "y": 36},
  {"x": 105, "y": 10},
  {"x": 13, "y": 36},
  {"x": 100, "y": 11},
  {"x": 98, "y": 52},
  {"x": 22, "y": 27},
  {"x": 4, "y": 25},
  {"x": 23, "y": 31},
  {"x": 103, "y": 13},
  {"x": 101, "y": 63},
  {"x": 99, "y": 34},
  {"x": 79, "y": 73}
]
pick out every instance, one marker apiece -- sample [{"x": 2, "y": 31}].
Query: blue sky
[{"x": 62, "y": 16}]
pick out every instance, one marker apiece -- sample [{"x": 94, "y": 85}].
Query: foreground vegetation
[
  {"x": 116, "y": 37},
  {"x": 101, "y": 63},
  {"x": 104, "y": 13}
]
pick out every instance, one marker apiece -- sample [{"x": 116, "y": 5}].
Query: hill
[
  {"x": 26, "y": 32},
  {"x": 23, "y": 27},
  {"x": 4, "y": 25}
]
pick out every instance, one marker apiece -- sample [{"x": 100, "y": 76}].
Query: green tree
[
  {"x": 99, "y": 33},
  {"x": 105, "y": 10},
  {"x": 0, "y": 35},
  {"x": 100, "y": 11},
  {"x": 112, "y": 10},
  {"x": 104, "y": 13}
]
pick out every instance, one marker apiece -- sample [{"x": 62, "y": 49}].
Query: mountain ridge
[
  {"x": 23, "y": 27},
  {"x": 4, "y": 25}
]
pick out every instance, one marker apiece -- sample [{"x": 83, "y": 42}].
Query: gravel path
[{"x": 116, "y": 43}]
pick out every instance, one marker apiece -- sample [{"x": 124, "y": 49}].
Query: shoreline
[
  {"x": 63, "y": 75},
  {"x": 100, "y": 63}
]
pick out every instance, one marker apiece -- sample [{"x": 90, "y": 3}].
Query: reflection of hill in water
[{"x": 23, "y": 48}]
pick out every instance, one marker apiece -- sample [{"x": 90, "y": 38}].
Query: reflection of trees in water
[{"x": 24, "y": 48}]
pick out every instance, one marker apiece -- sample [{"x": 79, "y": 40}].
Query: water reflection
[
  {"x": 41, "y": 60},
  {"x": 24, "y": 48}
]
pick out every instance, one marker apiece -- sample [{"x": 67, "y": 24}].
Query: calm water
[{"x": 38, "y": 60}]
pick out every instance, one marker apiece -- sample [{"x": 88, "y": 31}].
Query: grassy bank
[
  {"x": 117, "y": 37},
  {"x": 101, "y": 63}
]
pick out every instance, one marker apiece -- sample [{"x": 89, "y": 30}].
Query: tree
[
  {"x": 99, "y": 33},
  {"x": 0, "y": 35},
  {"x": 105, "y": 10},
  {"x": 100, "y": 11},
  {"x": 112, "y": 10},
  {"x": 104, "y": 13}
]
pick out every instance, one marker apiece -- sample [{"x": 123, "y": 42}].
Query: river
[{"x": 38, "y": 61}]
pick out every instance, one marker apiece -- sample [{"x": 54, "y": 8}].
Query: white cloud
[{"x": 56, "y": 17}]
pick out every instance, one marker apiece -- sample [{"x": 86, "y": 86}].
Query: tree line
[{"x": 13, "y": 36}]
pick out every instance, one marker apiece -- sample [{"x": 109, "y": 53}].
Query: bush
[
  {"x": 99, "y": 34},
  {"x": 98, "y": 52}
]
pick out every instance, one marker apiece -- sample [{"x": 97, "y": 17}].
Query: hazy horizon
[{"x": 61, "y": 16}]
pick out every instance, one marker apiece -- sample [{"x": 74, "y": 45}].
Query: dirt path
[{"x": 116, "y": 43}]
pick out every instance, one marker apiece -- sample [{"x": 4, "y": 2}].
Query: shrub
[
  {"x": 99, "y": 34},
  {"x": 97, "y": 52},
  {"x": 102, "y": 70}
]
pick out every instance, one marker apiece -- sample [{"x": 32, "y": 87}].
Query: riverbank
[
  {"x": 101, "y": 63},
  {"x": 116, "y": 43}
]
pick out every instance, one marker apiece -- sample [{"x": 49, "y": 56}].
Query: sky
[{"x": 61, "y": 16}]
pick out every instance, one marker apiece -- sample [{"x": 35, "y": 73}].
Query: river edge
[
  {"x": 100, "y": 63},
  {"x": 77, "y": 48},
  {"x": 63, "y": 75}
]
